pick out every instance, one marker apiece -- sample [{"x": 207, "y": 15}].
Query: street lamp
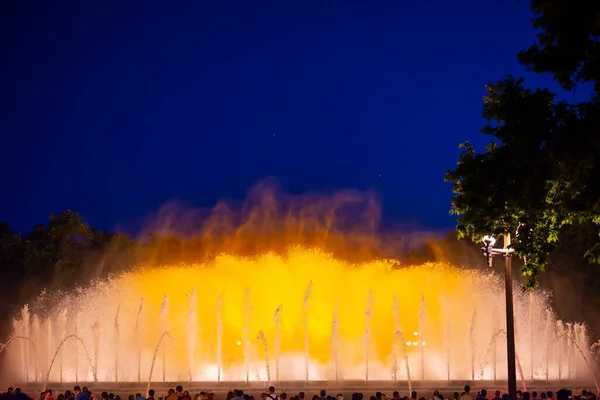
[{"x": 489, "y": 252}]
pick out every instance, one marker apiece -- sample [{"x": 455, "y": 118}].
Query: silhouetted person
[
  {"x": 80, "y": 394},
  {"x": 272, "y": 394},
  {"x": 467, "y": 394},
  {"x": 8, "y": 394}
]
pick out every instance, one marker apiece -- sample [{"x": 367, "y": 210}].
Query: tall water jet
[
  {"x": 76, "y": 330},
  {"x": 219, "y": 315},
  {"x": 49, "y": 342},
  {"x": 495, "y": 344},
  {"x": 37, "y": 338},
  {"x": 531, "y": 333},
  {"x": 96, "y": 336},
  {"x": 521, "y": 374},
  {"x": 63, "y": 333},
  {"x": 305, "y": 305},
  {"x": 581, "y": 329},
  {"x": 492, "y": 349},
  {"x": 246, "y": 330},
  {"x": 116, "y": 332},
  {"x": 164, "y": 312},
  {"x": 160, "y": 340},
  {"x": 24, "y": 345},
  {"x": 263, "y": 340},
  {"x": 560, "y": 334},
  {"x": 17, "y": 331},
  {"x": 547, "y": 333},
  {"x": 399, "y": 336},
  {"x": 472, "y": 343},
  {"x": 581, "y": 342},
  {"x": 335, "y": 341},
  {"x": 277, "y": 322},
  {"x": 422, "y": 310},
  {"x": 395, "y": 355},
  {"x": 368, "y": 315},
  {"x": 138, "y": 326},
  {"x": 192, "y": 331},
  {"x": 569, "y": 345},
  {"x": 59, "y": 349},
  {"x": 448, "y": 334}
]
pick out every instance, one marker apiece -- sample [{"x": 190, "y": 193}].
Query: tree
[
  {"x": 540, "y": 173},
  {"x": 568, "y": 45},
  {"x": 58, "y": 248}
]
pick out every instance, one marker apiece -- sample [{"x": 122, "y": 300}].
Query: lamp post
[{"x": 490, "y": 251}]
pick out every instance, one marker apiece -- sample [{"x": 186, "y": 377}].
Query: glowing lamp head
[{"x": 489, "y": 240}]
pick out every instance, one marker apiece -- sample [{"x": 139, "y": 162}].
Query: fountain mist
[{"x": 317, "y": 337}]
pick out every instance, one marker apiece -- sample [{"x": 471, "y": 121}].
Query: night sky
[{"x": 112, "y": 108}]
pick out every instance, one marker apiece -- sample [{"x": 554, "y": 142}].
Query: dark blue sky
[{"x": 112, "y": 108}]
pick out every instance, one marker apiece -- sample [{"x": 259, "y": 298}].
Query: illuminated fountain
[
  {"x": 293, "y": 316},
  {"x": 317, "y": 311}
]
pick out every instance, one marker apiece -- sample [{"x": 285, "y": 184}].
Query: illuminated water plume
[{"x": 233, "y": 301}]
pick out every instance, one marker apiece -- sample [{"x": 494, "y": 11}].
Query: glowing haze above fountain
[{"x": 282, "y": 290}]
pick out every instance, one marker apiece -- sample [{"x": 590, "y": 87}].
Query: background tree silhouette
[{"x": 539, "y": 177}]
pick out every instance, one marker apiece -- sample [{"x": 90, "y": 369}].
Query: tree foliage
[
  {"x": 540, "y": 173},
  {"x": 60, "y": 254},
  {"x": 567, "y": 44}
]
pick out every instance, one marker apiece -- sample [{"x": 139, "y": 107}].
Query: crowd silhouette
[{"x": 83, "y": 393}]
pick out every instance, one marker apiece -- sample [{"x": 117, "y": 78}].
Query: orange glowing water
[{"x": 456, "y": 303}]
